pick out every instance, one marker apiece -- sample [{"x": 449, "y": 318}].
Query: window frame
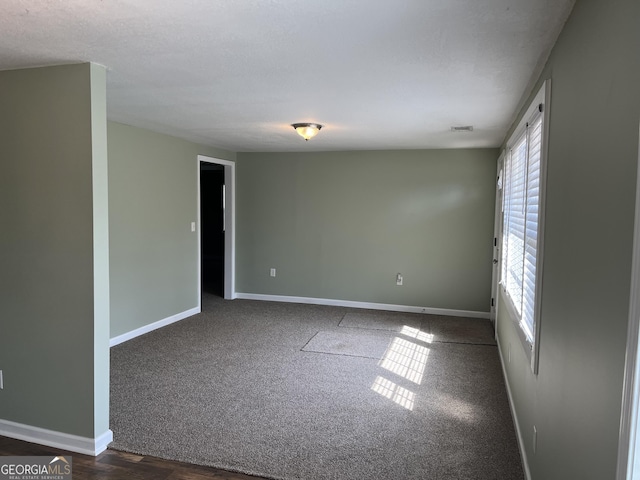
[{"x": 540, "y": 101}]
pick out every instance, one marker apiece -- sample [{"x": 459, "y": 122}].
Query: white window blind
[{"x": 521, "y": 205}]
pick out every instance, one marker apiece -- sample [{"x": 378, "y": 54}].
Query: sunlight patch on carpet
[
  {"x": 416, "y": 333},
  {"x": 394, "y": 392},
  {"x": 406, "y": 359}
]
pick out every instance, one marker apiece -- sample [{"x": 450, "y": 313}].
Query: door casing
[{"x": 229, "y": 230}]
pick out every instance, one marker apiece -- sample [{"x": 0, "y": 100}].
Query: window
[{"x": 522, "y": 200}]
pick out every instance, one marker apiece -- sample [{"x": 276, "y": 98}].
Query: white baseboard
[
  {"x": 367, "y": 305},
  {"x": 523, "y": 453},
  {"x": 51, "y": 438},
  {"x": 153, "y": 326}
]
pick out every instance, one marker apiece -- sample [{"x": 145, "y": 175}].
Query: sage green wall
[
  {"x": 152, "y": 202},
  {"x": 341, "y": 225},
  {"x": 575, "y": 400},
  {"x": 51, "y": 138},
  {"x": 100, "y": 188}
]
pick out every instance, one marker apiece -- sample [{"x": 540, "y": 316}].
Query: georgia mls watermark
[{"x": 36, "y": 468}]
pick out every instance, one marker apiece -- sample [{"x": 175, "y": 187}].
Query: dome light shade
[{"x": 307, "y": 130}]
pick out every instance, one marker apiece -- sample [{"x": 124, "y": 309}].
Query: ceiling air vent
[{"x": 468, "y": 128}]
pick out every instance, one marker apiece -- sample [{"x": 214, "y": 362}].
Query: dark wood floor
[{"x": 119, "y": 465}]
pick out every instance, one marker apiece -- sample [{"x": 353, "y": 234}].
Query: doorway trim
[
  {"x": 496, "y": 266},
  {"x": 629, "y": 440},
  {"x": 229, "y": 231}
]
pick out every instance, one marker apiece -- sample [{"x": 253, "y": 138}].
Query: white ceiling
[{"x": 378, "y": 74}]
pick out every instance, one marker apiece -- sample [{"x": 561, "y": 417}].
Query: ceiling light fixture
[{"x": 307, "y": 130}]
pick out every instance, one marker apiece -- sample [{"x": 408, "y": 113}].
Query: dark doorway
[{"x": 212, "y": 227}]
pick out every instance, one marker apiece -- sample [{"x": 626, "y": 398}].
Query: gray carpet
[
  {"x": 234, "y": 388},
  {"x": 354, "y": 344},
  {"x": 377, "y": 320},
  {"x": 461, "y": 330}
]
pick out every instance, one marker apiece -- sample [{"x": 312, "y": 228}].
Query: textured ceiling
[{"x": 378, "y": 74}]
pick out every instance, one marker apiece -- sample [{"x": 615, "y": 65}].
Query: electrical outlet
[
  {"x": 535, "y": 438},
  {"x": 399, "y": 279},
  {"x": 272, "y": 272}
]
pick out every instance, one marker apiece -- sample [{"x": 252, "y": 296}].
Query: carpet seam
[
  {"x": 309, "y": 341},
  {"x": 340, "y": 354},
  {"x": 400, "y": 333},
  {"x": 467, "y": 343}
]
